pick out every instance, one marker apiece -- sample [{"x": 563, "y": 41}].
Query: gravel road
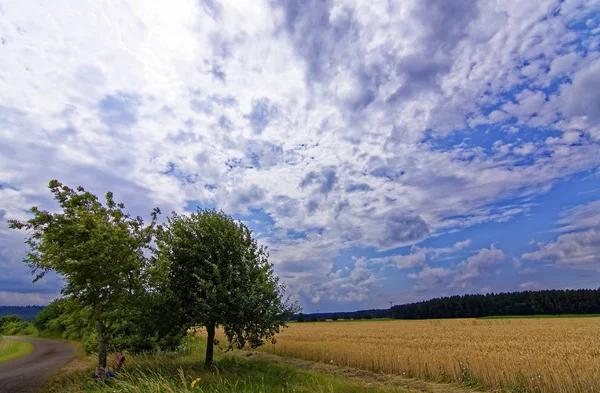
[{"x": 27, "y": 374}]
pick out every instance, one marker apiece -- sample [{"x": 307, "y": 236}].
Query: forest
[
  {"x": 547, "y": 302},
  {"x": 25, "y": 313}
]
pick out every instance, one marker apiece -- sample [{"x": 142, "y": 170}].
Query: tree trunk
[
  {"x": 101, "y": 328},
  {"x": 210, "y": 328}
]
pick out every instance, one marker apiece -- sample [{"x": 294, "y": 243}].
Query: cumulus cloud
[
  {"x": 461, "y": 275},
  {"x": 347, "y": 124},
  {"x": 430, "y": 277},
  {"x": 529, "y": 286},
  {"x": 484, "y": 262},
  {"x": 419, "y": 256},
  {"x": 576, "y": 250},
  {"x": 580, "y": 247}
]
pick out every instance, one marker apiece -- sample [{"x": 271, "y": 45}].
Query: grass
[
  {"x": 12, "y": 349},
  {"x": 175, "y": 372},
  {"x": 525, "y": 355}
]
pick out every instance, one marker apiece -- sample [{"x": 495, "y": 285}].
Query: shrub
[
  {"x": 18, "y": 328},
  {"x": 8, "y": 319}
]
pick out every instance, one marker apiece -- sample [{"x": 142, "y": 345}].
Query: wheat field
[{"x": 537, "y": 355}]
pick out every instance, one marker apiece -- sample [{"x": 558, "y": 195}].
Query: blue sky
[{"x": 383, "y": 151}]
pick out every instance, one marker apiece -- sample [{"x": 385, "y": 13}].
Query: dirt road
[{"x": 27, "y": 374}]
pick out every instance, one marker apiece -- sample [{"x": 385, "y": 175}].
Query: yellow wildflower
[{"x": 195, "y": 381}]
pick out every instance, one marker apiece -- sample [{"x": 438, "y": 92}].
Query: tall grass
[
  {"x": 175, "y": 372},
  {"x": 525, "y": 355},
  {"x": 11, "y": 349}
]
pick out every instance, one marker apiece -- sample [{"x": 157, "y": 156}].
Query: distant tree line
[
  {"x": 25, "y": 313},
  {"x": 334, "y": 316},
  {"x": 549, "y": 302}
]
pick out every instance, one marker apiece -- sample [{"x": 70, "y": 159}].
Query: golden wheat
[{"x": 539, "y": 355}]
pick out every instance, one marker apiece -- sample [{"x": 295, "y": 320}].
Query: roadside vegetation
[
  {"x": 12, "y": 349},
  {"x": 182, "y": 371},
  {"x": 123, "y": 276},
  {"x": 12, "y": 325}
]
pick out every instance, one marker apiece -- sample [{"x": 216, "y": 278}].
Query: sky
[{"x": 387, "y": 151}]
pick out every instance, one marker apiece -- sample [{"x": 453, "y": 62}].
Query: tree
[
  {"x": 220, "y": 276},
  {"x": 367, "y": 315},
  {"x": 314, "y": 318},
  {"x": 300, "y": 317},
  {"x": 335, "y": 317},
  {"x": 98, "y": 249},
  {"x": 357, "y": 316},
  {"x": 5, "y": 320}
]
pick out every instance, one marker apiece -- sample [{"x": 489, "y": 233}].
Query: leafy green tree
[
  {"x": 5, "y": 320},
  {"x": 300, "y": 317},
  {"x": 314, "y": 318},
  {"x": 335, "y": 317},
  {"x": 347, "y": 316},
  {"x": 98, "y": 249},
  {"x": 357, "y": 316},
  {"x": 367, "y": 315},
  {"x": 220, "y": 276}
]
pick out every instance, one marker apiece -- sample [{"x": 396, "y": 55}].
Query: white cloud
[
  {"x": 576, "y": 250},
  {"x": 26, "y": 299},
  {"x": 430, "y": 277},
  {"x": 328, "y": 120},
  {"x": 460, "y": 275},
  {"x": 410, "y": 260},
  {"x": 529, "y": 286},
  {"x": 477, "y": 265},
  {"x": 418, "y": 256},
  {"x": 580, "y": 247},
  {"x": 580, "y": 217}
]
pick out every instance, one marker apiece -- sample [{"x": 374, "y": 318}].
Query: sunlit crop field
[{"x": 540, "y": 355}]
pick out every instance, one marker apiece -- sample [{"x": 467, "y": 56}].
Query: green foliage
[
  {"x": 11, "y": 325},
  {"x": 176, "y": 371},
  {"x": 314, "y": 318},
  {"x": 367, "y": 315},
  {"x": 335, "y": 317},
  {"x": 9, "y": 319},
  {"x": 347, "y": 316},
  {"x": 300, "y": 317},
  {"x": 357, "y": 316},
  {"x": 219, "y": 275},
  {"x": 98, "y": 249}
]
